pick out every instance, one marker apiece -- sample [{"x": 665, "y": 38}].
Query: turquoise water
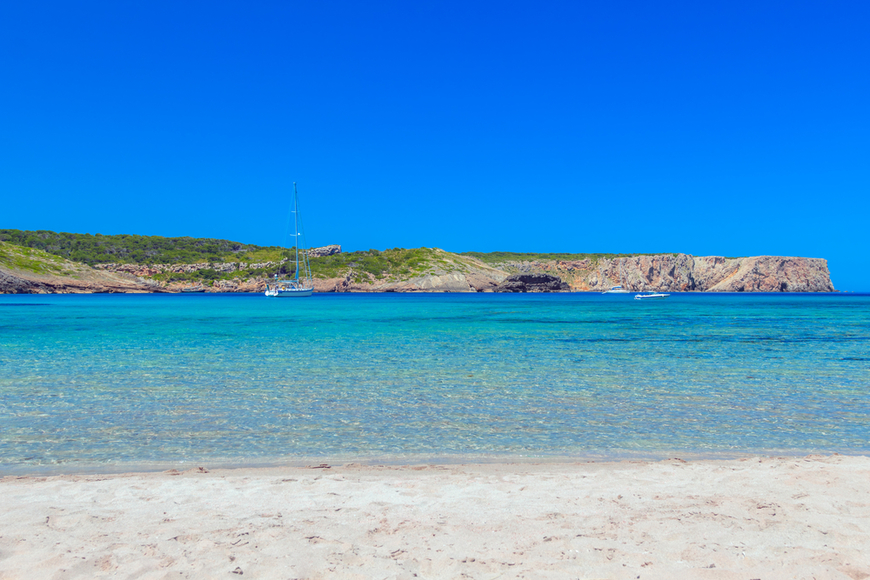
[{"x": 123, "y": 380}]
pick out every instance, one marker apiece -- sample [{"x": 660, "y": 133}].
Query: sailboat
[{"x": 302, "y": 283}]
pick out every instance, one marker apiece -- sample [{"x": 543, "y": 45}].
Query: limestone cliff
[
  {"x": 687, "y": 273},
  {"x": 663, "y": 272},
  {"x": 324, "y": 251}
]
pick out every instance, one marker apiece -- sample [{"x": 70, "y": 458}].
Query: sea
[{"x": 109, "y": 383}]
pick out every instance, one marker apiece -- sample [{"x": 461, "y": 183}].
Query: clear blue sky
[{"x": 729, "y": 128}]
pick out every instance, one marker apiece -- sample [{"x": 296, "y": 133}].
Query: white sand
[{"x": 751, "y": 518}]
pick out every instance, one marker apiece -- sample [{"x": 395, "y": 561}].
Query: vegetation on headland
[
  {"x": 502, "y": 257},
  {"x": 132, "y": 249},
  {"x": 398, "y": 263},
  {"x": 145, "y": 264},
  {"x": 228, "y": 260},
  {"x": 395, "y": 262},
  {"x": 94, "y": 249},
  {"x": 33, "y": 261},
  {"x": 210, "y": 275}
]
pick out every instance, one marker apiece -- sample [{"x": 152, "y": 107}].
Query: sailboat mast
[{"x": 296, "y": 226}]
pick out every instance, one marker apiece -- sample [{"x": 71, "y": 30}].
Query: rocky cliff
[
  {"x": 687, "y": 273},
  {"x": 146, "y": 270},
  {"x": 324, "y": 251},
  {"x": 663, "y": 272},
  {"x": 532, "y": 283}
]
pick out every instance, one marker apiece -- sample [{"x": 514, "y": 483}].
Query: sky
[{"x": 709, "y": 128}]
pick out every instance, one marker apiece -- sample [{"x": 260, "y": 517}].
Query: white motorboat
[
  {"x": 616, "y": 290},
  {"x": 650, "y": 296},
  {"x": 302, "y": 284}
]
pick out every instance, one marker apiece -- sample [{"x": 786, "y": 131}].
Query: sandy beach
[{"x": 806, "y": 517}]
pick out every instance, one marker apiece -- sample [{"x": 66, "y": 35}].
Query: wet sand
[{"x": 767, "y": 518}]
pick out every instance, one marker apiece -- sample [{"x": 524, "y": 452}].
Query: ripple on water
[{"x": 110, "y": 380}]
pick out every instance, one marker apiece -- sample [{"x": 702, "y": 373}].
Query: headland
[{"x": 50, "y": 262}]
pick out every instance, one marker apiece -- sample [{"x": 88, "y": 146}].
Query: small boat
[
  {"x": 650, "y": 295},
  {"x": 616, "y": 290},
  {"x": 193, "y": 289},
  {"x": 288, "y": 289},
  {"x": 302, "y": 284}
]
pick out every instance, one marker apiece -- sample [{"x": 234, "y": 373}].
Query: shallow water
[{"x": 121, "y": 380}]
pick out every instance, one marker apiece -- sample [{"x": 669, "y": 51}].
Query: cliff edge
[{"x": 687, "y": 273}]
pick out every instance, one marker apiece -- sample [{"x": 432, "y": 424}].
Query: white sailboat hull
[{"x": 290, "y": 293}]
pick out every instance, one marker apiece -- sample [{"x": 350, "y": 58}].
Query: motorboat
[
  {"x": 616, "y": 290},
  {"x": 650, "y": 296}
]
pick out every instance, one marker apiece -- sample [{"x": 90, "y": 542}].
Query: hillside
[
  {"x": 153, "y": 263},
  {"x": 132, "y": 249},
  {"x": 32, "y": 271},
  {"x": 391, "y": 270}
]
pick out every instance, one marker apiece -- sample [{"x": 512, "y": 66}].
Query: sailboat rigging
[{"x": 302, "y": 283}]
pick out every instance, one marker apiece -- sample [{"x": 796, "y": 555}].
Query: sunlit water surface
[{"x": 113, "y": 381}]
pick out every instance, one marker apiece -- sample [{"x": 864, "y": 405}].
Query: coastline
[
  {"x": 25, "y": 270},
  {"x": 400, "y": 461},
  {"x": 771, "y": 517}
]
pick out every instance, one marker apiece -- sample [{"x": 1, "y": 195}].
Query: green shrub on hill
[
  {"x": 502, "y": 257},
  {"x": 379, "y": 263},
  {"x": 31, "y": 260},
  {"x": 396, "y": 263},
  {"x": 132, "y": 249}
]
